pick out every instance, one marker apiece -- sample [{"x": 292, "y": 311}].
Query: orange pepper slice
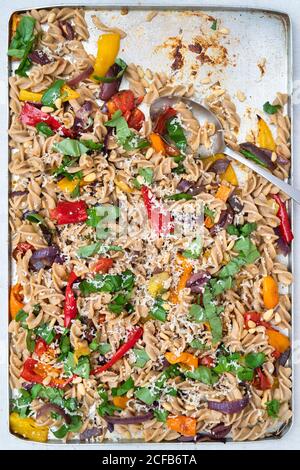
[
  {"x": 223, "y": 192},
  {"x": 157, "y": 143},
  {"x": 184, "y": 358},
  {"x": 187, "y": 268},
  {"x": 182, "y": 424},
  {"x": 270, "y": 292},
  {"x": 277, "y": 340},
  {"x": 121, "y": 402},
  {"x": 15, "y": 300}
]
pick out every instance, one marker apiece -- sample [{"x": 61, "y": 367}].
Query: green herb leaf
[
  {"x": 273, "y": 408},
  {"x": 107, "y": 409},
  {"x": 44, "y": 129},
  {"x": 180, "y": 196},
  {"x": 122, "y": 130},
  {"x": 34, "y": 218},
  {"x": 253, "y": 157},
  {"x": 248, "y": 228},
  {"x": 209, "y": 212},
  {"x": 254, "y": 360},
  {"x": 45, "y": 332},
  {"x": 271, "y": 108},
  {"x": 141, "y": 357},
  {"x": 202, "y": 374},
  {"x": 233, "y": 230},
  {"x": 147, "y": 173},
  {"x": 30, "y": 341},
  {"x": 123, "y": 389},
  {"x": 108, "y": 283},
  {"x": 175, "y": 132},
  {"x": 22, "y": 402},
  {"x": 91, "y": 145},
  {"x": 158, "y": 312},
  {"x": 64, "y": 344},
  {"x": 83, "y": 367},
  {"x": 146, "y": 396},
  {"x": 71, "y": 147},
  {"x": 245, "y": 374},
  {"x": 22, "y": 44},
  {"x": 52, "y": 93},
  {"x": 21, "y": 315},
  {"x": 61, "y": 432},
  {"x": 161, "y": 415},
  {"x": 195, "y": 249},
  {"x": 197, "y": 344},
  {"x": 96, "y": 248},
  {"x": 214, "y": 25}
]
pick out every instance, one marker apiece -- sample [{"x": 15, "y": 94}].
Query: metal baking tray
[{"x": 252, "y": 32}]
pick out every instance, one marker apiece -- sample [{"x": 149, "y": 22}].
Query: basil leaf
[
  {"x": 214, "y": 25},
  {"x": 245, "y": 374},
  {"x": 36, "y": 390},
  {"x": 158, "y": 312},
  {"x": 232, "y": 230},
  {"x": 34, "y": 218},
  {"x": 209, "y": 212},
  {"x": 202, "y": 374},
  {"x": 88, "y": 250},
  {"x": 61, "y": 432},
  {"x": 180, "y": 196},
  {"x": 107, "y": 409},
  {"x": 195, "y": 249},
  {"x": 141, "y": 357},
  {"x": 30, "y": 342},
  {"x": 273, "y": 408},
  {"x": 122, "y": 129},
  {"x": 121, "y": 64},
  {"x": 147, "y": 173},
  {"x": 197, "y": 344},
  {"x": 108, "y": 283},
  {"x": 248, "y": 228},
  {"x": 176, "y": 133},
  {"x": 22, "y": 402},
  {"x": 52, "y": 93},
  {"x": 22, "y": 44},
  {"x": 122, "y": 389},
  {"x": 44, "y": 129},
  {"x": 215, "y": 324},
  {"x": 104, "y": 348},
  {"x": 161, "y": 415},
  {"x": 134, "y": 141},
  {"x": 71, "y": 147},
  {"x": 45, "y": 332},
  {"x": 146, "y": 396},
  {"x": 197, "y": 313},
  {"x": 21, "y": 315},
  {"x": 254, "y": 360},
  {"x": 76, "y": 423},
  {"x": 220, "y": 285},
  {"x": 83, "y": 367},
  {"x": 271, "y": 108},
  {"x": 231, "y": 268},
  {"x": 91, "y": 145},
  {"x": 64, "y": 344}
]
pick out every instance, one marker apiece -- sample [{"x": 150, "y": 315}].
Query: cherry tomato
[
  {"x": 172, "y": 151},
  {"x": 160, "y": 124},
  {"x": 261, "y": 382},
  {"x": 40, "y": 347},
  {"x": 276, "y": 354},
  {"x": 207, "y": 361},
  {"x": 123, "y": 100},
  {"x": 255, "y": 317},
  {"x": 21, "y": 248}
]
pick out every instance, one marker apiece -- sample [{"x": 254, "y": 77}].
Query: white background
[{"x": 291, "y": 439}]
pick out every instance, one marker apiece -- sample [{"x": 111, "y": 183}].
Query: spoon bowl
[{"x": 218, "y": 145}]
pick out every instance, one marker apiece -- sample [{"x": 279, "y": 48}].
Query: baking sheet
[{"x": 253, "y": 28}]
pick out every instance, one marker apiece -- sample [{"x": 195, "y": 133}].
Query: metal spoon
[{"x": 218, "y": 144}]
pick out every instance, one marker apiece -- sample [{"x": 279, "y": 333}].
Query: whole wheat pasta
[{"x": 147, "y": 286}]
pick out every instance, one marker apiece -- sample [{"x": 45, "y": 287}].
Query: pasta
[{"x": 148, "y": 298}]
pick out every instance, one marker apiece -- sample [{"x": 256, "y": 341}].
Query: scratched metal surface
[{"x": 235, "y": 64}]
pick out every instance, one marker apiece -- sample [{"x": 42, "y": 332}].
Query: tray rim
[{"x": 149, "y": 5}]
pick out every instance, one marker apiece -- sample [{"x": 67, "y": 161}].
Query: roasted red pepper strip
[
  {"x": 40, "y": 347},
  {"x": 31, "y": 375},
  {"x": 70, "y": 306},
  {"x": 31, "y": 116},
  {"x": 160, "y": 218},
  {"x": 103, "y": 265},
  {"x": 285, "y": 226},
  {"x": 132, "y": 339},
  {"x": 160, "y": 125},
  {"x": 136, "y": 119},
  {"x": 261, "y": 382},
  {"x": 67, "y": 212}
]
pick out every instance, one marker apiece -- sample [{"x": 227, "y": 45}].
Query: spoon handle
[{"x": 285, "y": 187}]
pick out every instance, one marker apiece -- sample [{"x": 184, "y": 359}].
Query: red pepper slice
[
  {"x": 134, "y": 336},
  {"x": 67, "y": 212},
  {"x": 30, "y": 375},
  {"x": 172, "y": 151},
  {"x": 207, "y": 361},
  {"x": 160, "y": 218},
  {"x": 31, "y": 116},
  {"x": 276, "y": 354},
  {"x": 285, "y": 226},
  {"x": 102, "y": 265},
  {"x": 261, "y": 382},
  {"x": 136, "y": 119},
  {"x": 40, "y": 347},
  {"x": 70, "y": 306},
  {"x": 160, "y": 125},
  {"x": 21, "y": 248}
]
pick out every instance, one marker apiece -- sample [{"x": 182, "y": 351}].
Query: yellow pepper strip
[
  {"x": 223, "y": 192},
  {"x": 108, "y": 48},
  {"x": 81, "y": 351},
  {"x": 66, "y": 95},
  {"x": 229, "y": 176},
  {"x": 15, "y": 300},
  {"x": 120, "y": 402},
  {"x": 26, "y": 95},
  {"x": 183, "y": 358},
  {"x": 156, "y": 283},
  {"x": 270, "y": 292},
  {"x": 265, "y": 137},
  {"x": 123, "y": 186},
  {"x": 66, "y": 185},
  {"x": 209, "y": 160},
  {"x": 28, "y": 428},
  {"x": 277, "y": 340},
  {"x": 157, "y": 143},
  {"x": 187, "y": 268}
]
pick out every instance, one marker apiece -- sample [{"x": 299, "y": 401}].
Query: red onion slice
[
  {"x": 48, "y": 407},
  {"x": 226, "y": 218},
  {"x": 107, "y": 90},
  {"x": 39, "y": 57},
  {"x": 229, "y": 407},
  {"x": 197, "y": 281},
  {"x": 18, "y": 193},
  {"x": 89, "y": 433},
  {"x": 263, "y": 155},
  {"x": 219, "y": 166},
  {"x": 81, "y": 77},
  {"x": 44, "y": 258}
]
